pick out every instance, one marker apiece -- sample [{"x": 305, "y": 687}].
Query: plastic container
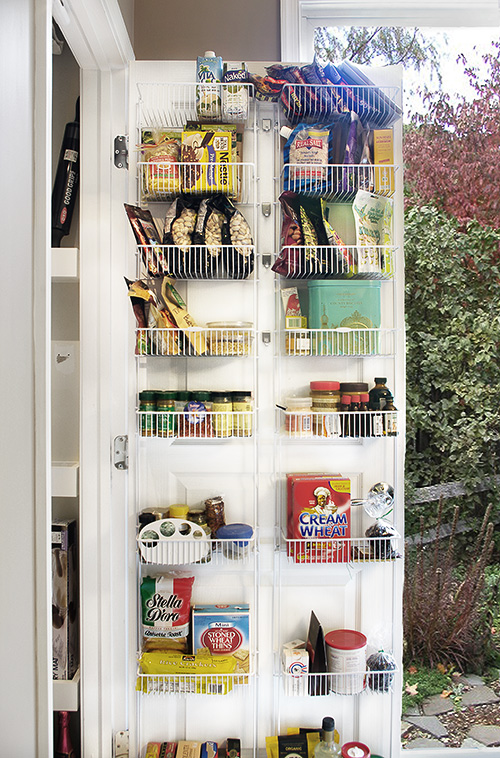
[
  {"x": 235, "y": 536},
  {"x": 222, "y": 408},
  {"x": 230, "y": 337},
  {"x": 178, "y": 511},
  {"x": 352, "y": 307},
  {"x": 242, "y": 413},
  {"x": 298, "y": 417},
  {"x": 345, "y": 655},
  {"x": 325, "y": 407}
]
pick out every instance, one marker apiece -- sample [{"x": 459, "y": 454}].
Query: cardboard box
[
  {"x": 223, "y": 630},
  {"x": 65, "y": 637},
  {"x": 295, "y": 667},
  {"x": 213, "y": 151},
  {"x": 318, "y": 518},
  {"x": 383, "y": 155}
]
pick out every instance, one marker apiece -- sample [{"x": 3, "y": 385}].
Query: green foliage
[
  {"x": 453, "y": 344},
  {"x": 380, "y": 45},
  {"x": 428, "y": 681}
]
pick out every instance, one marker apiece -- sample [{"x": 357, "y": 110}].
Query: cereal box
[
  {"x": 212, "y": 150},
  {"x": 318, "y": 518},
  {"x": 223, "y": 630},
  {"x": 64, "y": 600}
]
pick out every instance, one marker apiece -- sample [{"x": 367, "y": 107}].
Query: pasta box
[{"x": 222, "y": 629}]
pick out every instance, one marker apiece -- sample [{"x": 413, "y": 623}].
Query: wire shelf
[
  {"x": 347, "y": 683},
  {"x": 316, "y": 103},
  {"x": 200, "y": 425},
  {"x": 201, "y": 341},
  {"x": 194, "y": 684},
  {"x": 351, "y": 550},
  {"x": 226, "y": 262},
  {"x": 204, "y": 550},
  {"x": 339, "y": 342},
  {"x": 163, "y": 181},
  {"x": 174, "y": 104},
  {"x": 338, "y": 424},
  {"x": 336, "y": 262},
  {"x": 338, "y": 182}
]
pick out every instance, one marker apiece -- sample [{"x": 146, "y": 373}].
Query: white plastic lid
[
  {"x": 209, "y": 54},
  {"x": 293, "y": 403}
]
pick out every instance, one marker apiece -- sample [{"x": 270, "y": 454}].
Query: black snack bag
[
  {"x": 316, "y": 648},
  {"x": 240, "y": 258},
  {"x": 380, "y": 662},
  {"x": 382, "y": 549},
  {"x": 147, "y": 237},
  {"x": 180, "y": 222},
  {"x": 291, "y": 259},
  {"x": 209, "y": 236}
]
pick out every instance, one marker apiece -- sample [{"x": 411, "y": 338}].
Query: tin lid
[
  {"x": 324, "y": 386},
  {"x": 364, "y": 397},
  {"x": 353, "y": 387},
  {"x": 183, "y": 395},
  {"x": 203, "y": 396},
  {"x": 298, "y": 402},
  {"x": 345, "y": 639},
  {"x": 147, "y": 396},
  {"x": 355, "y": 399},
  {"x": 234, "y": 532},
  {"x": 178, "y": 511}
]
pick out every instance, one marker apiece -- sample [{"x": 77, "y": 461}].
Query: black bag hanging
[{"x": 66, "y": 181}]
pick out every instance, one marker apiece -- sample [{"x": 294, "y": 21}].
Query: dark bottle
[
  {"x": 64, "y": 747},
  {"x": 364, "y": 421},
  {"x": 390, "y": 418},
  {"x": 66, "y": 181},
  {"x": 345, "y": 424},
  {"x": 355, "y": 418},
  {"x": 379, "y": 393}
]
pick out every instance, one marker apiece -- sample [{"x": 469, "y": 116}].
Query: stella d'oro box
[
  {"x": 223, "y": 630},
  {"x": 318, "y": 518}
]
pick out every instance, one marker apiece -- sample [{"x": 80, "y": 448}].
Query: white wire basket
[
  {"x": 337, "y": 262},
  {"x": 199, "y": 261},
  {"x": 160, "y": 181},
  {"x": 356, "y": 425},
  {"x": 338, "y": 182},
  {"x": 194, "y": 549},
  {"x": 194, "y": 684},
  {"x": 339, "y": 342},
  {"x": 232, "y": 342},
  {"x": 199, "y": 425},
  {"x": 348, "y": 683},
  {"x": 349, "y": 550}
]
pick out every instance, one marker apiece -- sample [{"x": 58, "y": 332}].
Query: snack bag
[
  {"x": 161, "y": 151},
  {"x": 290, "y": 261},
  {"x": 209, "y": 237},
  {"x": 240, "y": 258},
  {"x": 306, "y": 155},
  {"x": 147, "y": 238},
  {"x": 177, "y": 309},
  {"x": 166, "y": 607},
  {"x": 369, "y": 212},
  {"x": 150, "y": 316},
  {"x": 178, "y": 229}
]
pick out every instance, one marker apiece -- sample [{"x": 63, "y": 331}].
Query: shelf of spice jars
[
  {"x": 338, "y": 182},
  {"x": 196, "y": 546},
  {"x": 336, "y": 262},
  {"x": 199, "y": 425},
  {"x": 200, "y": 262},
  {"x": 229, "y": 339},
  {"x": 346, "y": 683},
  {"x": 174, "y": 104},
  {"x": 342, "y": 341},
  {"x": 183, "y": 684},
  {"x": 353, "y": 551},
  {"x": 350, "y": 425}
]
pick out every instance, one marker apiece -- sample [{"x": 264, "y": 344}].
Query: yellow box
[
  {"x": 212, "y": 150},
  {"x": 383, "y": 155}
]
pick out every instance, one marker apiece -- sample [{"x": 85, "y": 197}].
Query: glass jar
[
  {"x": 182, "y": 398},
  {"x": 165, "y": 405},
  {"x": 214, "y": 509},
  {"x": 222, "y": 406},
  {"x": 325, "y": 407},
  {"x": 147, "y": 408},
  {"x": 242, "y": 413},
  {"x": 298, "y": 417},
  {"x": 230, "y": 337}
]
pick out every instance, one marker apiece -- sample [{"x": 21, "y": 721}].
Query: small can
[{"x": 214, "y": 509}]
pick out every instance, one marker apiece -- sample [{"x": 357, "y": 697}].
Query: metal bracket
[
  {"x": 121, "y": 745},
  {"x": 120, "y": 452},
  {"x": 266, "y": 124},
  {"x": 266, "y": 209},
  {"x": 266, "y": 260},
  {"x": 120, "y": 146},
  {"x": 266, "y": 338}
]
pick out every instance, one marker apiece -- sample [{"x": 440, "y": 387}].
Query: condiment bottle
[
  {"x": 355, "y": 400},
  {"x": 377, "y": 419},
  {"x": 390, "y": 418},
  {"x": 298, "y": 417},
  {"x": 182, "y": 398},
  {"x": 364, "y": 428},
  {"x": 345, "y": 423},
  {"x": 327, "y": 747},
  {"x": 242, "y": 413},
  {"x": 380, "y": 392},
  {"x": 325, "y": 406},
  {"x": 147, "y": 408},
  {"x": 222, "y": 407}
]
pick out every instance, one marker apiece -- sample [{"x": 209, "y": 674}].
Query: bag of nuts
[
  {"x": 240, "y": 258},
  {"x": 209, "y": 238},
  {"x": 180, "y": 222}
]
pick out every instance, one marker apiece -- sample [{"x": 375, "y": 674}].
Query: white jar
[
  {"x": 298, "y": 417},
  {"x": 346, "y": 660}
]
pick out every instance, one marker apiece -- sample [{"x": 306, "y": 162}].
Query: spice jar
[
  {"x": 235, "y": 539},
  {"x": 325, "y": 406},
  {"x": 242, "y": 413},
  {"x": 298, "y": 417},
  {"x": 230, "y": 337},
  {"x": 222, "y": 406},
  {"x": 182, "y": 398},
  {"x": 214, "y": 509},
  {"x": 165, "y": 405},
  {"x": 147, "y": 408}
]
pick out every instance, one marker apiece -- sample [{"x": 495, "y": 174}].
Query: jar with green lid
[
  {"x": 242, "y": 413},
  {"x": 165, "y": 406},
  {"x": 222, "y": 406},
  {"x": 182, "y": 398},
  {"x": 147, "y": 408},
  {"x": 325, "y": 408}
]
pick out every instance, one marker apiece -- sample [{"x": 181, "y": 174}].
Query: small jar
[
  {"x": 235, "y": 539},
  {"x": 178, "y": 511},
  {"x": 147, "y": 408},
  {"x": 325, "y": 405},
  {"x": 242, "y": 414},
  {"x": 230, "y": 337},
  {"x": 165, "y": 405},
  {"x": 199, "y": 516},
  {"x": 297, "y": 342},
  {"x": 182, "y": 398},
  {"x": 214, "y": 509},
  {"x": 222, "y": 407},
  {"x": 298, "y": 417}
]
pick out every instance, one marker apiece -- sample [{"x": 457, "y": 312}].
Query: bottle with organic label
[
  {"x": 377, "y": 419},
  {"x": 165, "y": 405},
  {"x": 327, "y": 747}
]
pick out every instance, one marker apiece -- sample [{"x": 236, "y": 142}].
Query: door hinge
[
  {"x": 121, "y": 745},
  {"x": 120, "y": 148},
  {"x": 120, "y": 452}
]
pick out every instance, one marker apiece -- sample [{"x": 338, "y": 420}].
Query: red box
[{"x": 318, "y": 518}]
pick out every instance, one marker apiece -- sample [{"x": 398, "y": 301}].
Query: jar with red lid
[{"x": 325, "y": 408}]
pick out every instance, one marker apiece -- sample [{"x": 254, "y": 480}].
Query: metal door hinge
[
  {"x": 120, "y": 452},
  {"x": 120, "y": 146},
  {"x": 121, "y": 745}
]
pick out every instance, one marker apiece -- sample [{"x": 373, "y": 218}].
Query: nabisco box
[
  {"x": 318, "y": 518},
  {"x": 223, "y": 630}
]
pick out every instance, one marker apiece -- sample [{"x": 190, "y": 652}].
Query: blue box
[
  {"x": 349, "y": 307},
  {"x": 222, "y": 630}
]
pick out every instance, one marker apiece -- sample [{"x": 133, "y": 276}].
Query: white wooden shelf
[
  {"x": 66, "y": 693},
  {"x": 65, "y": 478},
  {"x": 65, "y": 264}
]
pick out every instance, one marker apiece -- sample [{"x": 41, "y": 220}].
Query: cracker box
[
  {"x": 383, "y": 155},
  {"x": 212, "y": 150},
  {"x": 295, "y": 667},
  {"x": 223, "y": 630},
  {"x": 64, "y": 600},
  {"x": 318, "y": 518}
]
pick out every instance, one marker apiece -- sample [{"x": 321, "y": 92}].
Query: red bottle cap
[
  {"x": 345, "y": 399},
  {"x": 355, "y": 398},
  {"x": 325, "y": 386}
]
